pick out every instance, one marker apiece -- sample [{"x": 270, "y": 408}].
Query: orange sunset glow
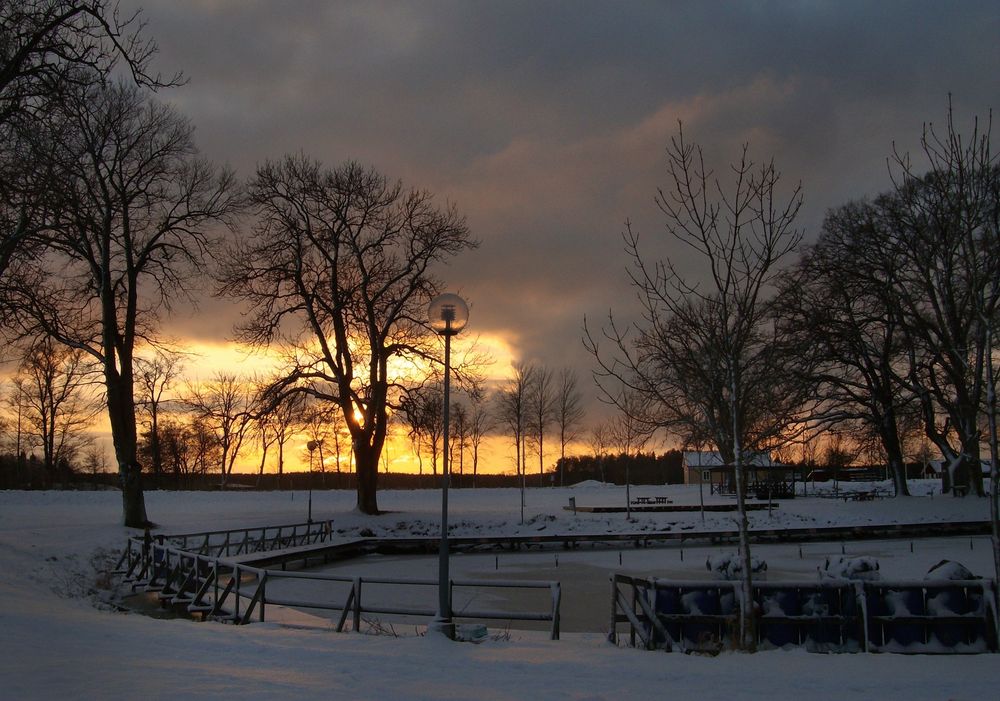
[{"x": 202, "y": 360}]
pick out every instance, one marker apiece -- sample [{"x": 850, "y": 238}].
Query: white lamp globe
[{"x": 448, "y": 314}]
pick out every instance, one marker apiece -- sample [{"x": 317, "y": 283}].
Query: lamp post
[
  {"x": 448, "y": 315},
  {"x": 311, "y": 446}
]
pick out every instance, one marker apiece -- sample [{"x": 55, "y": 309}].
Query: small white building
[
  {"x": 936, "y": 467},
  {"x": 698, "y": 465}
]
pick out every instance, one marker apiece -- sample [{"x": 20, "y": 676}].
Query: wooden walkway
[
  {"x": 223, "y": 575},
  {"x": 328, "y": 552},
  {"x": 666, "y": 508}
]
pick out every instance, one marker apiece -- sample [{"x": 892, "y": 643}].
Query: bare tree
[
  {"x": 50, "y": 47},
  {"x": 16, "y": 404},
  {"x": 52, "y": 42},
  {"x": 837, "y": 455},
  {"x": 319, "y": 426},
  {"x": 994, "y": 447},
  {"x": 339, "y": 433},
  {"x": 155, "y": 376},
  {"x": 540, "y": 412},
  {"x": 264, "y": 434},
  {"x": 599, "y": 440},
  {"x": 55, "y": 391},
  {"x": 569, "y": 413},
  {"x": 129, "y": 226},
  {"x": 943, "y": 227},
  {"x": 188, "y": 447},
  {"x": 342, "y": 261},
  {"x": 628, "y": 433},
  {"x": 423, "y": 412},
  {"x": 224, "y": 404},
  {"x": 95, "y": 460},
  {"x": 512, "y": 414},
  {"x": 704, "y": 357},
  {"x": 282, "y": 420},
  {"x": 481, "y": 422},
  {"x": 839, "y": 313},
  {"x": 460, "y": 435}
]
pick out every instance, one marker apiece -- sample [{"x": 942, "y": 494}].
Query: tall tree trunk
[
  {"x": 154, "y": 444},
  {"x": 121, "y": 412},
  {"x": 747, "y": 633},
  {"x": 991, "y": 415},
  {"x": 967, "y": 470},
  {"x": 322, "y": 466},
  {"x": 475, "y": 463},
  {"x": 541, "y": 459},
  {"x": 281, "y": 459},
  {"x": 562, "y": 458},
  {"x": 894, "y": 454},
  {"x": 263, "y": 461},
  {"x": 366, "y": 466}
]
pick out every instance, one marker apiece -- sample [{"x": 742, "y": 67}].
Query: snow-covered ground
[{"x": 55, "y": 643}]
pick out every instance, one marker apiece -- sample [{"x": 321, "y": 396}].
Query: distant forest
[{"x": 28, "y": 472}]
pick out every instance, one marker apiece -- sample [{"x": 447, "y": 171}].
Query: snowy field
[{"x": 55, "y": 642}]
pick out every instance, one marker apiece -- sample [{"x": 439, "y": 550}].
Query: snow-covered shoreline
[{"x": 55, "y": 643}]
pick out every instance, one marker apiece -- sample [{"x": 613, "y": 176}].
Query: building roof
[
  {"x": 939, "y": 465},
  {"x": 701, "y": 459}
]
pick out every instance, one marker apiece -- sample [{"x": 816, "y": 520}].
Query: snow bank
[
  {"x": 866, "y": 568},
  {"x": 55, "y": 643},
  {"x": 730, "y": 566},
  {"x": 947, "y": 569}
]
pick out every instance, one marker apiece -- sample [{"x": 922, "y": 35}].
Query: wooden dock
[
  {"x": 665, "y": 508},
  {"x": 308, "y": 554}
]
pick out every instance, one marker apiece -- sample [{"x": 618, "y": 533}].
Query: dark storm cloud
[{"x": 545, "y": 122}]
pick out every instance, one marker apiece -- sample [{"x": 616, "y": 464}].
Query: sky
[{"x": 546, "y": 123}]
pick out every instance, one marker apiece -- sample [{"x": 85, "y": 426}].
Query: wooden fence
[{"x": 203, "y": 573}]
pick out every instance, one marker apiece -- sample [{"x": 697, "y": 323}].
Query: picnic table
[
  {"x": 639, "y": 501},
  {"x": 860, "y": 495}
]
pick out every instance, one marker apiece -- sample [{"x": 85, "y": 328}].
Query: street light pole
[
  {"x": 448, "y": 315},
  {"x": 310, "y": 446}
]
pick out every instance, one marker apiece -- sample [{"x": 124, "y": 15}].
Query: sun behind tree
[{"x": 339, "y": 267}]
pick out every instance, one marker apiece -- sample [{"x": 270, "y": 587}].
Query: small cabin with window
[{"x": 763, "y": 475}]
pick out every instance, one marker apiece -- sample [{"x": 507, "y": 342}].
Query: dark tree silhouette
[
  {"x": 128, "y": 225},
  {"x": 840, "y": 315},
  {"x": 340, "y": 265},
  {"x": 944, "y": 228},
  {"x": 423, "y": 414},
  {"x": 155, "y": 376},
  {"x": 703, "y": 360},
  {"x": 481, "y": 422},
  {"x": 224, "y": 404},
  {"x": 55, "y": 391},
  {"x": 48, "y": 49},
  {"x": 512, "y": 411},
  {"x": 540, "y": 413},
  {"x": 569, "y": 413}
]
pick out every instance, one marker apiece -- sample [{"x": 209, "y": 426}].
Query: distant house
[
  {"x": 927, "y": 471},
  {"x": 699, "y": 466},
  {"x": 935, "y": 468}
]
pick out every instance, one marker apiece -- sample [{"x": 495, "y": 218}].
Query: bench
[{"x": 871, "y": 495}]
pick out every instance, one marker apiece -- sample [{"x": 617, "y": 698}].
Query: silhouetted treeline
[
  {"x": 29, "y": 472},
  {"x": 645, "y": 468}
]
